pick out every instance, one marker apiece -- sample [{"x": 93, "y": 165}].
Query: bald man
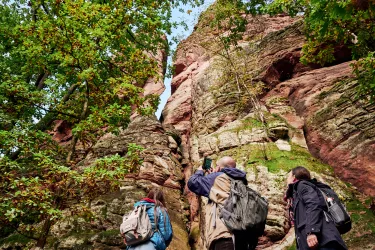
[{"x": 215, "y": 185}]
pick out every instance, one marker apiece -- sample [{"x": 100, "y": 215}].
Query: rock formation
[
  {"x": 311, "y": 117},
  {"x": 161, "y": 167},
  {"x": 309, "y": 111}
]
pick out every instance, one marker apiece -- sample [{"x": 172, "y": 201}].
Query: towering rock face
[
  {"x": 340, "y": 128},
  {"x": 160, "y": 168},
  {"x": 308, "y": 112}
]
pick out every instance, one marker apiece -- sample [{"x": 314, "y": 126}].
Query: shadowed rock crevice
[{"x": 284, "y": 69}]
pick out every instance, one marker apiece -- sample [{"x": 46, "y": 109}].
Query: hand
[
  {"x": 312, "y": 241},
  {"x": 210, "y": 170}
]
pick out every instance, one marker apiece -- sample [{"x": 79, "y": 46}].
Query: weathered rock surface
[
  {"x": 340, "y": 128},
  {"x": 213, "y": 123},
  {"x": 155, "y": 86},
  {"x": 160, "y": 157},
  {"x": 192, "y": 108},
  {"x": 103, "y": 233},
  {"x": 161, "y": 167},
  {"x": 307, "y": 112}
]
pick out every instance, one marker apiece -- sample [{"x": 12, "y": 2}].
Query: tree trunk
[{"x": 43, "y": 237}]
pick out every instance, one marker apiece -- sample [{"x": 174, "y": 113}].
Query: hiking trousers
[
  {"x": 222, "y": 244},
  {"x": 245, "y": 240},
  {"x": 242, "y": 242}
]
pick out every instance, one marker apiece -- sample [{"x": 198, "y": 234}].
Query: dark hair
[
  {"x": 158, "y": 196},
  {"x": 301, "y": 173}
]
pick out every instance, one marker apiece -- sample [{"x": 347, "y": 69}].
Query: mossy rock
[
  {"x": 267, "y": 154},
  {"x": 14, "y": 241},
  {"x": 292, "y": 247},
  {"x": 362, "y": 235}
]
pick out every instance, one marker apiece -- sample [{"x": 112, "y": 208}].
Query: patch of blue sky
[{"x": 190, "y": 16}]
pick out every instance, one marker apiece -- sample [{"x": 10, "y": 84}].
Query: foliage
[
  {"x": 365, "y": 70},
  {"x": 42, "y": 188},
  {"x": 84, "y": 62},
  {"x": 330, "y": 23},
  {"x": 237, "y": 70}
]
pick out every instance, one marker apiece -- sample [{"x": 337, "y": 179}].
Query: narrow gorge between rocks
[{"x": 311, "y": 118}]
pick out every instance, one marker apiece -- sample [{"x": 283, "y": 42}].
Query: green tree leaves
[{"x": 84, "y": 62}]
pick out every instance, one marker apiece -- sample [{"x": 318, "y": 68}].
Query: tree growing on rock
[
  {"x": 329, "y": 24},
  {"x": 84, "y": 62},
  {"x": 222, "y": 37}
]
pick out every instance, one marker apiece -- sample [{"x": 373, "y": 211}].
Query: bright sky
[{"x": 190, "y": 20}]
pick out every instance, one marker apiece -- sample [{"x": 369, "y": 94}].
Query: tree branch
[
  {"x": 39, "y": 84},
  {"x": 82, "y": 117},
  {"x": 47, "y": 120},
  {"x": 57, "y": 112}
]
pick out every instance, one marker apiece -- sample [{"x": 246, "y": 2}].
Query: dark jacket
[
  {"x": 308, "y": 207},
  {"x": 201, "y": 184}
]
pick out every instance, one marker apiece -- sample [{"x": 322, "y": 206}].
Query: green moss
[
  {"x": 292, "y": 247},
  {"x": 349, "y": 185},
  {"x": 323, "y": 95},
  {"x": 248, "y": 124},
  {"x": 276, "y": 100},
  {"x": 285, "y": 160},
  {"x": 252, "y": 122},
  {"x": 194, "y": 236},
  {"x": 276, "y": 160},
  {"x": 271, "y": 118},
  {"x": 341, "y": 101},
  {"x": 322, "y": 115},
  {"x": 363, "y": 224},
  {"x": 15, "y": 238}
]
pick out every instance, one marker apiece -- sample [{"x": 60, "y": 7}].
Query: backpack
[
  {"x": 336, "y": 211},
  {"x": 136, "y": 227},
  {"x": 244, "y": 209}
]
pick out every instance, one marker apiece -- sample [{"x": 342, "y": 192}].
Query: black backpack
[
  {"x": 244, "y": 209},
  {"x": 336, "y": 210}
]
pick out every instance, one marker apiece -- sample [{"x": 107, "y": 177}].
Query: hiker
[
  {"x": 308, "y": 210},
  {"x": 216, "y": 186},
  {"x": 162, "y": 233}
]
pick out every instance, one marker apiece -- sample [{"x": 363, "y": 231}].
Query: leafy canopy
[{"x": 84, "y": 62}]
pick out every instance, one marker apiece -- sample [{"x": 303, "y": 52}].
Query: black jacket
[{"x": 308, "y": 207}]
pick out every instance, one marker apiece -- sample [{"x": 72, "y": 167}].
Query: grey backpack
[
  {"x": 244, "y": 209},
  {"x": 136, "y": 227},
  {"x": 336, "y": 210}
]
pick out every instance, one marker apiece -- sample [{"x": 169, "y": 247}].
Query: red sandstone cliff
[{"x": 310, "y": 112}]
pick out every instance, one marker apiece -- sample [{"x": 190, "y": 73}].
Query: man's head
[
  {"x": 225, "y": 162},
  {"x": 298, "y": 173}
]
